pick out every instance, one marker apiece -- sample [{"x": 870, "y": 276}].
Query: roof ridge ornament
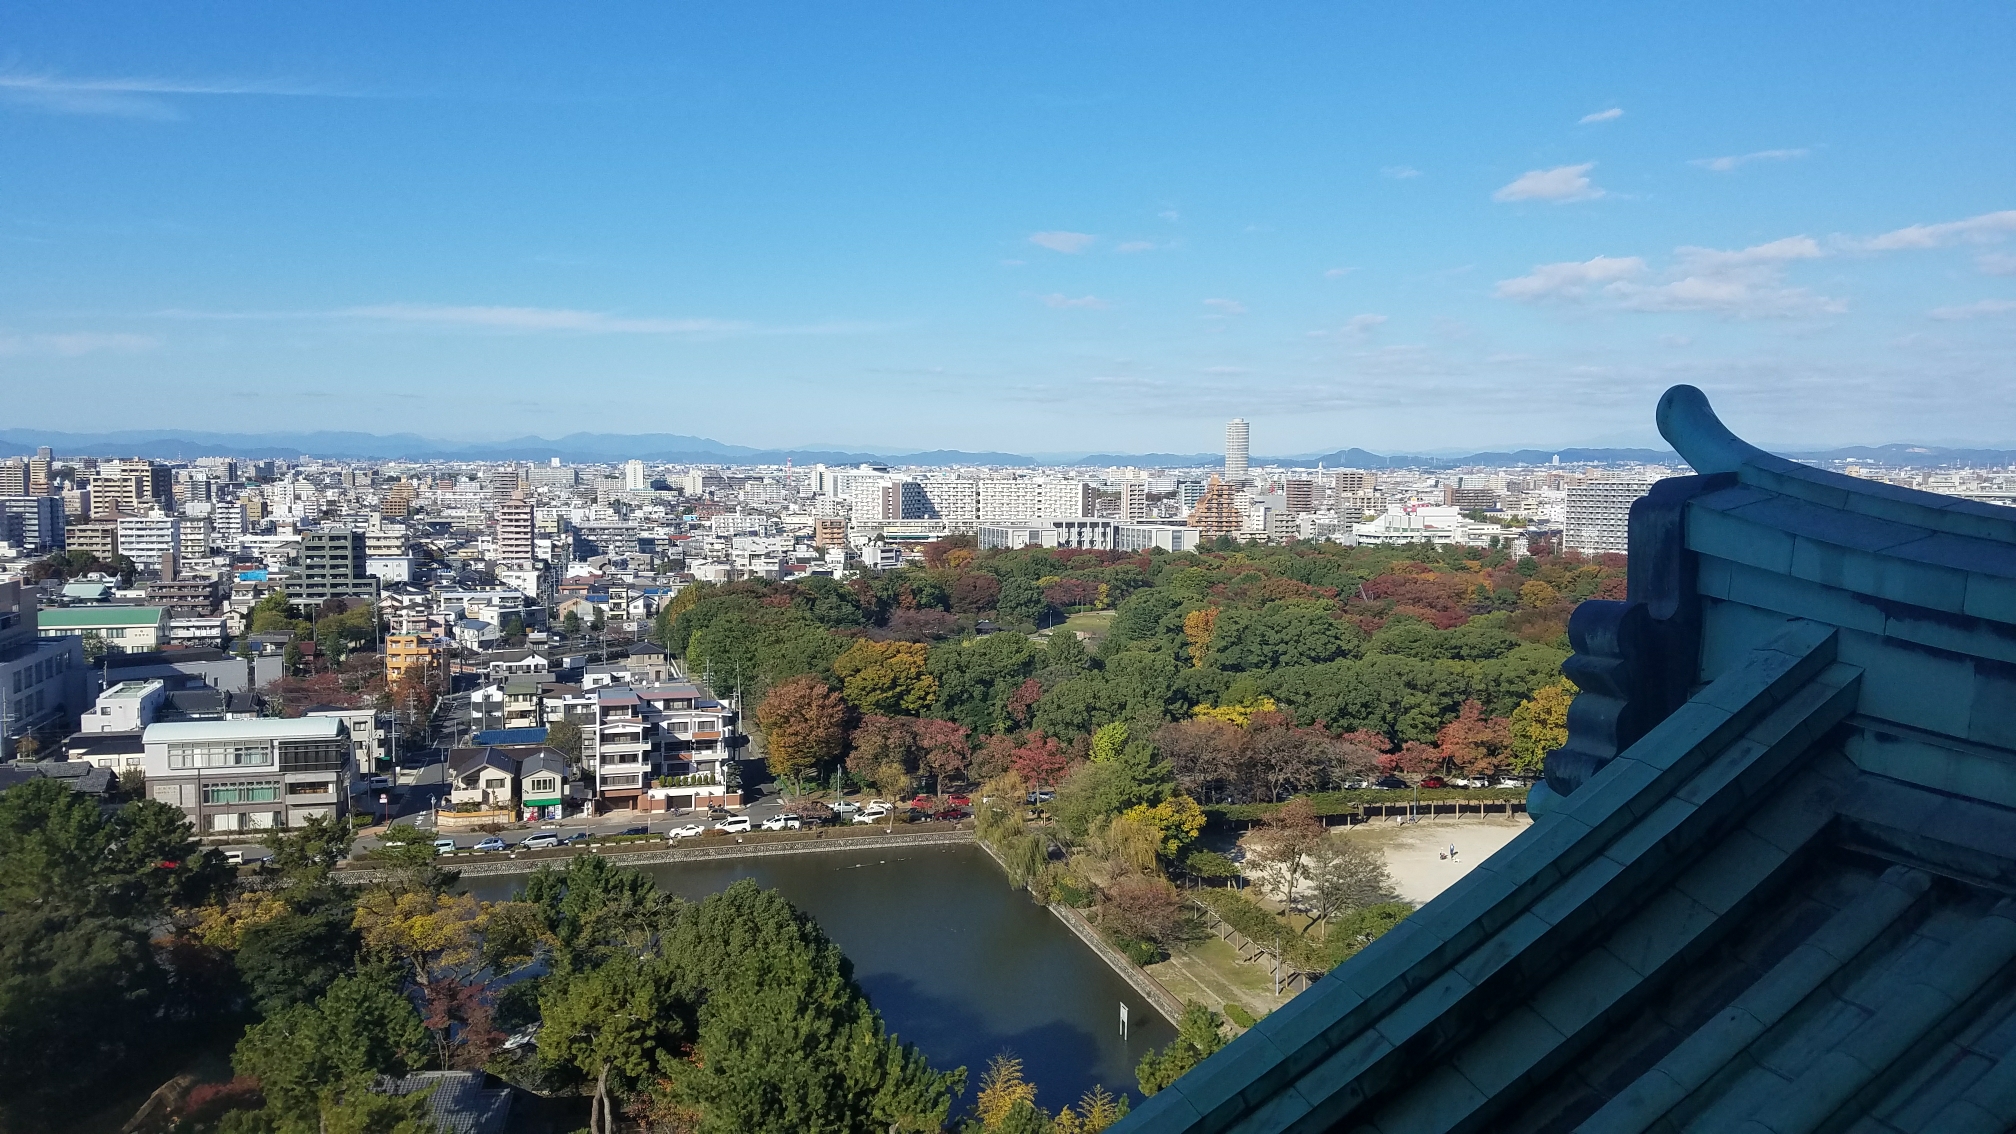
[{"x": 1689, "y": 424}]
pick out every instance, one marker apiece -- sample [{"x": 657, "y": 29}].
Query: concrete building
[
  {"x": 1599, "y": 514},
  {"x": 333, "y": 565},
  {"x": 407, "y": 652},
  {"x": 1349, "y": 482},
  {"x": 1300, "y": 495},
  {"x": 1133, "y": 500},
  {"x": 250, "y": 775},
  {"x": 42, "y": 679},
  {"x": 150, "y": 539},
  {"x": 126, "y": 707},
  {"x": 516, "y": 531},
  {"x": 97, "y": 538},
  {"x": 32, "y": 525},
  {"x": 1217, "y": 512},
  {"x": 13, "y": 477},
  {"x": 128, "y": 487},
  {"x": 1238, "y": 436},
  {"x": 122, "y": 629},
  {"x": 955, "y": 501},
  {"x": 635, "y": 479}
]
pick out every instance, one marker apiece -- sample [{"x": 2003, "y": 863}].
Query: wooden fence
[{"x": 1253, "y": 952}]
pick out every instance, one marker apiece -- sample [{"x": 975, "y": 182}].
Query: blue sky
[{"x": 1025, "y": 227}]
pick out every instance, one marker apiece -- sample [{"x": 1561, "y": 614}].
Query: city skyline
[{"x": 927, "y": 229}]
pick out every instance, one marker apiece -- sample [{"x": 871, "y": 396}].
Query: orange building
[{"x": 405, "y": 652}]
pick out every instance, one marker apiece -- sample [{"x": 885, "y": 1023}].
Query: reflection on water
[{"x": 956, "y": 962}]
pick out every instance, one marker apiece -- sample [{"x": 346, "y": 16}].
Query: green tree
[
  {"x": 309, "y": 1058},
  {"x": 886, "y": 677},
  {"x": 1539, "y": 726},
  {"x": 571, "y": 622},
  {"x": 295, "y": 957},
  {"x": 1198, "y": 1034},
  {"x": 615, "y": 1024},
  {"x": 1021, "y": 601},
  {"x": 565, "y": 738}
]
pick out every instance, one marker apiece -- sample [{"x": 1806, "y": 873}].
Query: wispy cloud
[
  {"x": 138, "y": 96},
  {"x": 72, "y": 345},
  {"x": 1996, "y": 264},
  {"x": 1735, "y": 161},
  {"x": 1084, "y": 302},
  {"x": 1337, "y": 273},
  {"x": 1983, "y": 229},
  {"x": 541, "y": 319},
  {"x": 1068, "y": 242},
  {"x": 1359, "y": 326},
  {"x": 1745, "y": 283},
  {"x": 1560, "y": 185},
  {"x": 1610, "y": 115},
  {"x": 1226, "y": 306},
  {"x": 1399, "y": 172},
  {"x": 1976, "y": 310}
]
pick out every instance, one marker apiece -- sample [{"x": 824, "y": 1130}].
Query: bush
[
  {"x": 1067, "y": 892},
  {"x": 1143, "y": 953},
  {"x": 1238, "y": 1014}
]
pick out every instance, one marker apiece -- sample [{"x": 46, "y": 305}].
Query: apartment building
[
  {"x": 641, "y": 734},
  {"x": 1599, "y": 515},
  {"x": 32, "y": 525},
  {"x": 151, "y": 539},
  {"x": 405, "y": 653},
  {"x": 515, "y": 531},
  {"x": 250, "y": 775},
  {"x": 333, "y": 565},
  {"x": 42, "y": 679},
  {"x": 122, "y": 487}
]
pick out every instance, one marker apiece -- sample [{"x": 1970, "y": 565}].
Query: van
[
  {"x": 444, "y": 846},
  {"x": 235, "y": 856}
]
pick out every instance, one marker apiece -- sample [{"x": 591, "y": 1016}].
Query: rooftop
[
  {"x": 63, "y": 617},
  {"x": 261, "y": 728}
]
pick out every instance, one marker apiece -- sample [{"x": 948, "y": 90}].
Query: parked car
[
  {"x": 1434, "y": 782},
  {"x": 845, "y": 807},
  {"x": 734, "y": 824},
  {"x": 234, "y": 856},
  {"x": 1041, "y": 797},
  {"x": 869, "y": 816},
  {"x": 374, "y": 783},
  {"x": 960, "y": 801},
  {"x": 923, "y": 803},
  {"x": 545, "y": 840},
  {"x": 1390, "y": 783},
  {"x": 444, "y": 846},
  {"x": 493, "y": 843},
  {"x": 689, "y": 831},
  {"x": 876, "y": 805},
  {"x": 949, "y": 815},
  {"x": 1355, "y": 783},
  {"x": 640, "y": 830},
  {"x": 785, "y": 822},
  {"x": 576, "y": 837}
]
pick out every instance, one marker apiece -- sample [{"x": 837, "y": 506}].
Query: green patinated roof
[
  {"x": 68, "y": 617},
  {"x": 1783, "y": 907}
]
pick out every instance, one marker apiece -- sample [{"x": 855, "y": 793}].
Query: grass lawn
[
  {"x": 1210, "y": 973},
  {"x": 1094, "y": 622}
]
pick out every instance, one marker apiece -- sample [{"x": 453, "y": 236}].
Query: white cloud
[
  {"x": 1399, "y": 172},
  {"x": 1560, "y": 185},
  {"x": 1996, "y": 264},
  {"x": 1358, "y": 326},
  {"x": 1137, "y": 246},
  {"x": 1726, "y": 164},
  {"x": 1337, "y": 273},
  {"x": 1570, "y": 279},
  {"x": 1069, "y": 242},
  {"x": 1086, "y": 302},
  {"x": 136, "y": 97},
  {"x": 540, "y": 319},
  {"x": 74, "y": 344},
  {"x": 1170, "y": 215},
  {"x": 1986, "y": 228},
  {"x": 1226, "y": 306},
  {"x": 1746, "y": 283},
  {"x": 1610, "y": 115},
  {"x": 1976, "y": 310}
]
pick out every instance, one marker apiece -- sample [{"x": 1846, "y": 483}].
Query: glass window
[
  {"x": 220, "y": 754},
  {"x": 262, "y": 792}
]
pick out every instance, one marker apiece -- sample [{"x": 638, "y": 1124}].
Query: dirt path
[{"x": 1416, "y": 852}]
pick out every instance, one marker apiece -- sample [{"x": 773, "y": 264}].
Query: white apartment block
[
  {"x": 1035, "y": 499},
  {"x": 954, "y": 501},
  {"x": 1598, "y": 515},
  {"x": 145, "y": 539}
]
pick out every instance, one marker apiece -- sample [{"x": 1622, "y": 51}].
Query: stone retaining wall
[{"x": 529, "y": 862}]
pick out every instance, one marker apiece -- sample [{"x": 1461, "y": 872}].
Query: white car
[
  {"x": 689, "y": 831},
  {"x": 869, "y": 816},
  {"x": 845, "y": 807},
  {"x": 734, "y": 824},
  {"x": 786, "y": 822},
  {"x": 444, "y": 846},
  {"x": 876, "y": 805}
]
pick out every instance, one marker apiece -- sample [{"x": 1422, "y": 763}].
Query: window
[
  {"x": 311, "y": 787},
  {"x": 621, "y": 780},
  {"x": 264, "y": 791},
  {"x": 227, "y": 821},
  {"x": 221, "y": 754},
  {"x": 495, "y": 784},
  {"x": 314, "y": 755}
]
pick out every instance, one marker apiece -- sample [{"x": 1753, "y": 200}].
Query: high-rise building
[
  {"x": 635, "y": 479},
  {"x": 13, "y": 478},
  {"x": 99, "y": 539},
  {"x": 951, "y": 500},
  {"x": 1300, "y": 495},
  {"x": 1133, "y": 501},
  {"x": 397, "y": 502},
  {"x": 502, "y": 483},
  {"x": 1237, "y": 437},
  {"x": 1350, "y": 482},
  {"x": 39, "y": 467},
  {"x": 33, "y": 524},
  {"x": 333, "y": 562},
  {"x": 1599, "y": 515},
  {"x": 147, "y": 540},
  {"x": 128, "y": 487},
  {"x": 1217, "y": 513},
  {"x": 515, "y": 539}
]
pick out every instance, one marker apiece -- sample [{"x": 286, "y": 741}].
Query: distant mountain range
[{"x": 606, "y": 448}]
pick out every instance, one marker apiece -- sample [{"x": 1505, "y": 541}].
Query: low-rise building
[
  {"x": 122, "y": 629},
  {"x": 250, "y": 775},
  {"x": 129, "y": 706},
  {"x": 42, "y": 678}
]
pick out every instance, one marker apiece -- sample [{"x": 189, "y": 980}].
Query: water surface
[{"x": 957, "y": 963}]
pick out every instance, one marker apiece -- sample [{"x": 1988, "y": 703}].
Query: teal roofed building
[{"x": 1769, "y": 885}]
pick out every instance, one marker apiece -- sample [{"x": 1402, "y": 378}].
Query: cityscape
[{"x": 948, "y": 571}]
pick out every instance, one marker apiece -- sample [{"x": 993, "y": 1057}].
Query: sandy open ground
[{"x": 1413, "y": 850}]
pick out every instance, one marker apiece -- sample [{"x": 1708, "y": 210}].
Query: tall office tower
[
  {"x": 39, "y": 467},
  {"x": 634, "y": 478},
  {"x": 1237, "y": 435},
  {"x": 33, "y": 524},
  {"x": 1300, "y": 494},
  {"x": 515, "y": 540}
]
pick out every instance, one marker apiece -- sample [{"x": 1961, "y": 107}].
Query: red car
[
  {"x": 923, "y": 803},
  {"x": 949, "y": 815},
  {"x": 960, "y": 801},
  {"x": 1433, "y": 782}
]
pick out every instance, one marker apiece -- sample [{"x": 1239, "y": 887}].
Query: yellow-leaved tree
[
  {"x": 1198, "y": 626},
  {"x": 1540, "y": 725}
]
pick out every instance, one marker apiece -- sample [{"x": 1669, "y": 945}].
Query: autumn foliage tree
[
  {"x": 1473, "y": 743},
  {"x": 804, "y": 725},
  {"x": 886, "y": 677},
  {"x": 1538, "y": 726}
]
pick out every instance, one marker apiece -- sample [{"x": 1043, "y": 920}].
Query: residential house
[{"x": 485, "y": 777}]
